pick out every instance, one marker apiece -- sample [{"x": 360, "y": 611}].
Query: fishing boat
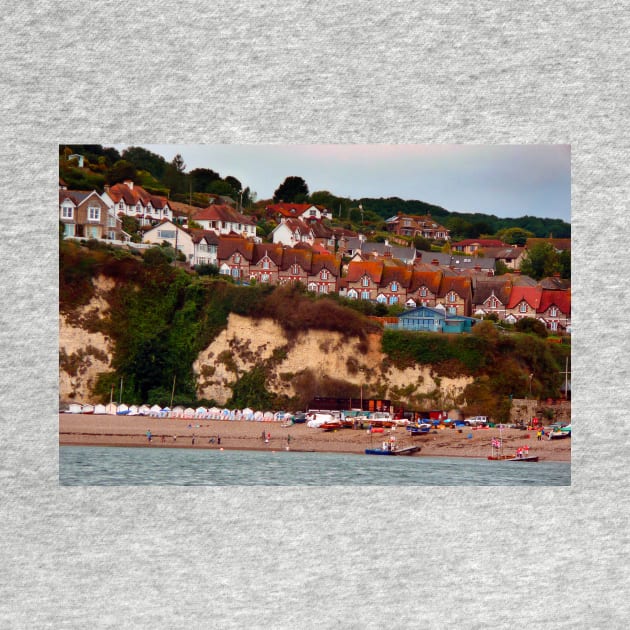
[
  {"x": 523, "y": 458},
  {"x": 382, "y": 419},
  {"x": 419, "y": 429}
]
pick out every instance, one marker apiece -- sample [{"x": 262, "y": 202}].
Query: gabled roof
[
  {"x": 296, "y": 225},
  {"x": 325, "y": 261},
  {"x": 131, "y": 196},
  {"x": 503, "y": 253},
  {"x": 297, "y": 255},
  {"x": 229, "y": 246},
  {"x": 273, "y": 251},
  {"x": 208, "y": 235},
  {"x": 555, "y": 283},
  {"x": 320, "y": 230},
  {"x": 531, "y": 295},
  {"x": 373, "y": 268},
  {"x": 430, "y": 279},
  {"x": 218, "y": 212},
  {"x": 460, "y": 284},
  {"x": 561, "y": 299},
  {"x": 76, "y": 196},
  {"x": 293, "y": 209},
  {"x": 499, "y": 286},
  {"x": 396, "y": 271}
]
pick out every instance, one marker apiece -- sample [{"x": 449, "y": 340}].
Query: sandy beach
[{"x": 97, "y": 430}]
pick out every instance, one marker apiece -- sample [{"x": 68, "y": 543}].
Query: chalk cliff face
[
  {"x": 83, "y": 354},
  {"x": 247, "y": 342},
  {"x": 292, "y": 365}
]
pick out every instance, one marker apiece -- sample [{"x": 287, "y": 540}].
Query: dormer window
[
  {"x": 237, "y": 258},
  {"x": 452, "y": 297},
  {"x": 324, "y": 275},
  {"x": 394, "y": 287},
  {"x": 423, "y": 292},
  {"x": 365, "y": 281},
  {"x": 295, "y": 270},
  {"x": 265, "y": 264},
  {"x": 553, "y": 312},
  {"x": 523, "y": 307}
]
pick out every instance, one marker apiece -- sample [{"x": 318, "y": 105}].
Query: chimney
[
  {"x": 129, "y": 184},
  {"x": 106, "y": 188},
  {"x": 362, "y": 238}
]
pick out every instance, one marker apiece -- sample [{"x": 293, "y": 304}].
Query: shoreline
[{"x": 126, "y": 431}]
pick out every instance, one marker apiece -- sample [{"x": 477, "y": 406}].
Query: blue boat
[{"x": 407, "y": 450}]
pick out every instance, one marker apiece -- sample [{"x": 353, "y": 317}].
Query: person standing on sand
[
  {"x": 149, "y": 435},
  {"x": 193, "y": 439},
  {"x": 218, "y": 440}
]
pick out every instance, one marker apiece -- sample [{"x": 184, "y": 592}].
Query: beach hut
[
  {"x": 100, "y": 409},
  {"x": 258, "y": 416},
  {"x": 111, "y": 409},
  {"x": 75, "y": 408},
  {"x": 247, "y": 413},
  {"x": 155, "y": 410},
  {"x": 165, "y": 413},
  {"x": 177, "y": 412},
  {"x": 201, "y": 412},
  {"x": 225, "y": 414},
  {"x": 214, "y": 413},
  {"x": 87, "y": 409},
  {"x": 122, "y": 410},
  {"x": 268, "y": 416},
  {"x": 133, "y": 410},
  {"x": 144, "y": 410},
  {"x": 189, "y": 412}
]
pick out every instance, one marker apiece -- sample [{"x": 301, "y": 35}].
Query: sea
[{"x": 109, "y": 466}]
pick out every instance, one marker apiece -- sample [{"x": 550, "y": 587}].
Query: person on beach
[
  {"x": 218, "y": 439},
  {"x": 174, "y": 438},
  {"x": 193, "y": 439},
  {"x": 149, "y": 436},
  {"x": 262, "y": 437}
]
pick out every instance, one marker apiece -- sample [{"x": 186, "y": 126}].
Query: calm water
[{"x": 104, "y": 466}]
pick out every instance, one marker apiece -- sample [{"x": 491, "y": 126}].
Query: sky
[{"x": 504, "y": 180}]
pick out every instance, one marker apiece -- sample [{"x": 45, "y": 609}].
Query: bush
[{"x": 531, "y": 325}]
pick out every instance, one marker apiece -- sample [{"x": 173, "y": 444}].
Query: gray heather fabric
[{"x": 282, "y": 72}]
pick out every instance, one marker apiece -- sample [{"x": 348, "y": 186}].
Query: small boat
[
  {"x": 523, "y": 458},
  {"x": 381, "y": 419},
  {"x": 332, "y": 426},
  {"x": 406, "y": 450},
  {"x": 419, "y": 429},
  {"x": 500, "y": 457},
  {"x": 558, "y": 435},
  {"x": 87, "y": 409}
]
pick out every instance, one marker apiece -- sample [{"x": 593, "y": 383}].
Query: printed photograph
[{"x": 323, "y": 315}]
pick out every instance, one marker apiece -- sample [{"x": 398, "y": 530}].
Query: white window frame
[
  {"x": 94, "y": 213},
  {"x": 365, "y": 281},
  {"x": 522, "y": 307},
  {"x": 67, "y": 212}
]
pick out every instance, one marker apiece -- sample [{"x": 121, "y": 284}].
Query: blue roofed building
[{"x": 428, "y": 319}]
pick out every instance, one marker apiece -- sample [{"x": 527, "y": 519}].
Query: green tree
[
  {"x": 514, "y": 236},
  {"x": 565, "y": 264},
  {"x": 531, "y": 325},
  {"x": 419, "y": 242},
  {"x": 293, "y": 189},
  {"x": 540, "y": 261},
  {"x": 234, "y": 183},
  {"x": 202, "y": 178},
  {"x": 122, "y": 171},
  {"x": 145, "y": 160},
  {"x": 175, "y": 177}
]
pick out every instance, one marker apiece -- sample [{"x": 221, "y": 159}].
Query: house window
[
  {"x": 121, "y": 205},
  {"x": 452, "y": 310},
  {"x": 66, "y": 212},
  {"x": 451, "y": 297},
  {"x": 554, "y": 326},
  {"x": 365, "y": 295},
  {"x": 365, "y": 281},
  {"x": 394, "y": 287},
  {"x": 553, "y": 312},
  {"x": 324, "y": 275},
  {"x": 265, "y": 264},
  {"x": 312, "y": 287},
  {"x": 423, "y": 292},
  {"x": 237, "y": 258},
  {"x": 94, "y": 214},
  {"x": 264, "y": 277},
  {"x": 352, "y": 294},
  {"x": 393, "y": 299},
  {"x": 323, "y": 288},
  {"x": 166, "y": 233},
  {"x": 523, "y": 307},
  {"x": 381, "y": 299},
  {"x": 235, "y": 272},
  {"x": 295, "y": 270}
]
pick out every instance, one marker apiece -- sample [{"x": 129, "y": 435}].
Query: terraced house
[
  {"x": 85, "y": 214},
  {"x": 413, "y": 225},
  {"x": 129, "y": 199}
]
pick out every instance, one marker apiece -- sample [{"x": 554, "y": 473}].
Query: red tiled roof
[
  {"x": 482, "y": 242},
  {"x": 460, "y": 284},
  {"x": 293, "y": 255},
  {"x": 396, "y": 272},
  {"x": 292, "y": 209},
  {"x": 272, "y": 250},
  {"x": 229, "y": 246},
  {"x": 217, "y": 212},
  {"x": 325, "y": 261},
  {"x": 561, "y": 299},
  {"x": 531, "y": 295},
  {"x": 429, "y": 279},
  {"x": 132, "y": 196},
  {"x": 297, "y": 225},
  {"x": 373, "y": 268},
  {"x": 198, "y": 234},
  {"x": 561, "y": 244}
]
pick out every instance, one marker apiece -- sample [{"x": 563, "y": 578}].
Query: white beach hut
[
  {"x": 100, "y": 410},
  {"x": 258, "y": 416},
  {"x": 111, "y": 409},
  {"x": 177, "y": 412},
  {"x": 189, "y": 412},
  {"x": 133, "y": 410},
  {"x": 87, "y": 409},
  {"x": 155, "y": 410},
  {"x": 144, "y": 410},
  {"x": 201, "y": 412},
  {"x": 75, "y": 408},
  {"x": 248, "y": 414},
  {"x": 122, "y": 410}
]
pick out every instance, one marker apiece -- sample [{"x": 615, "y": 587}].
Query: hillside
[{"x": 153, "y": 325}]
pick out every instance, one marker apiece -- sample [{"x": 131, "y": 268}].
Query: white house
[
  {"x": 224, "y": 220},
  {"x": 134, "y": 201},
  {"x": 290, "y": 232},
  {"x": 175, "y": 236}
]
